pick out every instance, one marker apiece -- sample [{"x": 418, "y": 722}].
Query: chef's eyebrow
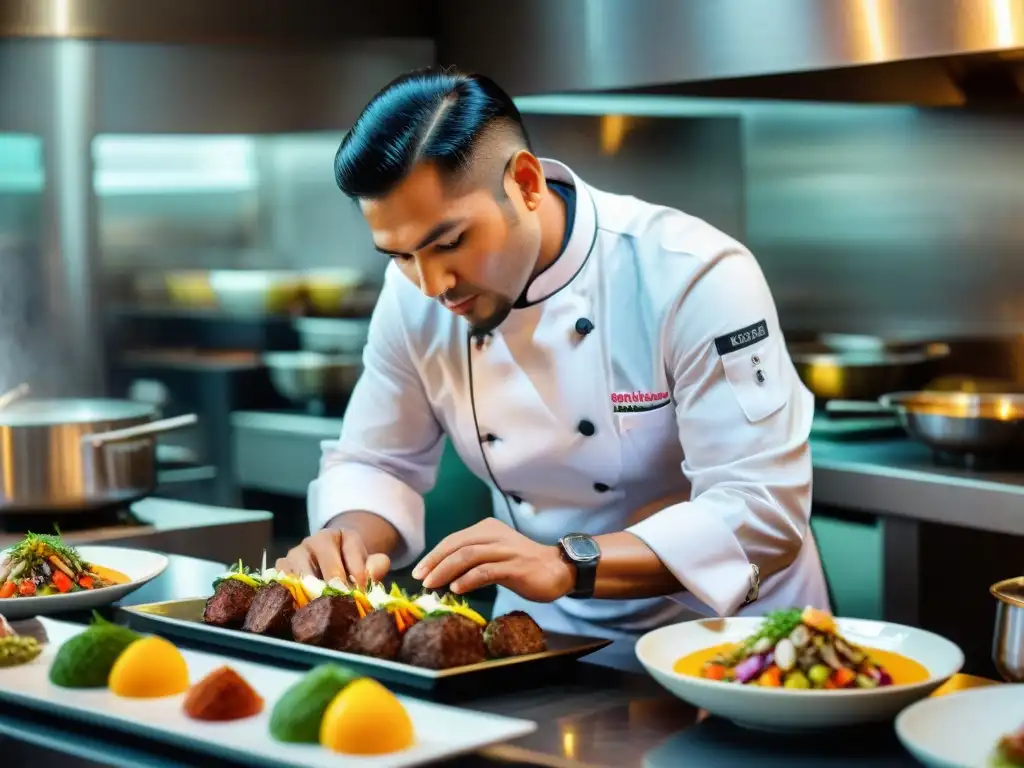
[{"x": 436, "y": 233}]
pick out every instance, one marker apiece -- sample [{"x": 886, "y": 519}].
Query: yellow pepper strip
[
  {"x": 362, "y": 602},
  {"x": 245, "y": 579},
  {"x": 469, "y": 613},
  {"x": 297, "y": 592}
]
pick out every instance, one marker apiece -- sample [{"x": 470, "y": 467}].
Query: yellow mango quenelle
[
  {"x": 365, "y": 718},
  {"x": 149, "y": 668}
]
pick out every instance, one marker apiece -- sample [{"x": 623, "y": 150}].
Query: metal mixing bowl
[
  {"x": 333, "y": 335},
  {"x": 307, "y": 376}
]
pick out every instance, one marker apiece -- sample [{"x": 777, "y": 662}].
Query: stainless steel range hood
[
  {"x": 926, "y": 52},
  {"x": 221, "y": 21}
]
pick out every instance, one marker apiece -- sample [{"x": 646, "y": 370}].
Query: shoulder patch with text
[{"x": 744, "y": 337}]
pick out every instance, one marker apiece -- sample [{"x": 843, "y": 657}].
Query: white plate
[
  {"x": 787, "y": 709},
  {"x": 962, "y": 729},
  {"x": 441, "y": 731},
  {"x": 140, "y": 565}
]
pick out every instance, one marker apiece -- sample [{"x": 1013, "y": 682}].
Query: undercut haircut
[{"x": 464, "y": 124}]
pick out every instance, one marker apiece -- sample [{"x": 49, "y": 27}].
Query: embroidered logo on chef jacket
[{"x": 638, "y": 400}]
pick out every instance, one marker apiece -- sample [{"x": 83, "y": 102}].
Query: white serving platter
[
  {"x": 139, "y": 565},
  {"x": 441, "y": 731},
  {"x": 785, "y": 709}
]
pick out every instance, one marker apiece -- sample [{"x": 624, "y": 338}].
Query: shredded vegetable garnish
[
  {"x": 41, "y": 564},
  {"x": 797, "y": 649}
]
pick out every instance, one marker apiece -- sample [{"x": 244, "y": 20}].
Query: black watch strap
[{"x": 583, "y": 552}]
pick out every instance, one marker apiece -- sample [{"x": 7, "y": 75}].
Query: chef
[{"x": 613, "y": 369}]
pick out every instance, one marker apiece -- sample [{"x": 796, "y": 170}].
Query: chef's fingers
[
  {"x": 325, "y": 549},
  {"x": 483, "y": 575},
  {"x": 462, "y": 560},
  {"x": 354, "y": 553},
  {"x": 377, "y": 566},
  {"x": 297, "y": 562},
  {"x": 475, "y": 534}
]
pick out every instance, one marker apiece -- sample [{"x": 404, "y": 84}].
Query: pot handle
[
  {"x": 17, "y": 393},
  {"x": 859, "y": 407},
  {"x": 99, "y": 439}
]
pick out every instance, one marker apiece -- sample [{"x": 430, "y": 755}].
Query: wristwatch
[{"x": 583, "y": 552}]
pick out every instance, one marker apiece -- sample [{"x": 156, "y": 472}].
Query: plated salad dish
[
  {"x": 42, "y": 564},
  {"x": 802, "y": 649},
  {"x": 427, "y": 630}
]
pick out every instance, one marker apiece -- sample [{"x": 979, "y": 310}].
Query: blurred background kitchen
[{"x": 171, "y": 234}]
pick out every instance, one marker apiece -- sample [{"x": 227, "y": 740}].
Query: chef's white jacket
[{"x": 681, "y": 389}]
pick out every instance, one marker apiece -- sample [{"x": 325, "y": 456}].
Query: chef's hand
[
  {"x": 491, "y": 552},
  {"x": 332, "y": 553}
]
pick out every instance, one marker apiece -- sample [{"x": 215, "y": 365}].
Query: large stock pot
[{"x": 78, "y": 454}]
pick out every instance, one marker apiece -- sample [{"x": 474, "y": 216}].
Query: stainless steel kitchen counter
[
  {"x": 280, "y": 452},
  {"x": 899, "y": 478},
  {"x": 179, "y": 528}
]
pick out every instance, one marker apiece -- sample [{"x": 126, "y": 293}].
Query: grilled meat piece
[
  {"x": 442, "y": 642},
  {"x": 229, "y": 604},
  {"x": 514, "y": 634},
  {"x": 271, "y": 612},
  {"x": 326, "y": 621},
  {"x": 376, "y": 634}
]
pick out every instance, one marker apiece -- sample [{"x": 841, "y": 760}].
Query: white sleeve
[
  {"x": 391, "y": 443},
  {"x": 744, "y": 422}
]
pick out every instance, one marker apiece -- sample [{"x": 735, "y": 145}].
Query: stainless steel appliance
[
  {"x": 79, "y": 454},
  {"x": 928, "y": 52},
  {"x": 1008, "y": 633}
]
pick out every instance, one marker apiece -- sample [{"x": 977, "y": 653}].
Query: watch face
[{"x": 581, "y": 548}]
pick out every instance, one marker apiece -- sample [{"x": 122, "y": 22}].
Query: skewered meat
[
  {"x": 271, "y": 612},
  {"x": 229, "y": 604},
  {"x": 376, "y": 634},
  {"x": 326, "y": 621},
  {"x": 514, "y": 634},
  {"x": 441, "y": 642}
]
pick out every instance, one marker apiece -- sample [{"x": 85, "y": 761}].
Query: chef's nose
[{"x": 435, "y": 277}]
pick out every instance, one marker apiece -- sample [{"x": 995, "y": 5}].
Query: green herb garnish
[
  {"x": 238, "y": 567},
  {"x": 36, "y": 547},
  {"x": 777, "y": 625}
]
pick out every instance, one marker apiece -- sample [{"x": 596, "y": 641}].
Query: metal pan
[
  {"x": 304, "y": 376},
  {"x": 1008, "y": 633},
  {"x": 78, "y": 454},
  {"x": 952, "y": 422},
  {"x": 848, "y": 367}
]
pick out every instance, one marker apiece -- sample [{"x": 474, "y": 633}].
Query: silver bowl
[
  {"x": 306, "y": 376},
  {"x": 1008, "y": 634},
  {"x": 333, "y": 335}
]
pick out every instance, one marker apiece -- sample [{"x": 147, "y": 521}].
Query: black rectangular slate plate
[{"x": 184, "y": 619}]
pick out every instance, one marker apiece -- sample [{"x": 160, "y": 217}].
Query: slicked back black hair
[{"x": 427, "y": 115}]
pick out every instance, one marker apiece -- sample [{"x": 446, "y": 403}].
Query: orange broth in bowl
[{"x": 904, "y": 670}]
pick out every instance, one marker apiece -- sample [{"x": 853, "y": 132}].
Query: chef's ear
[{"x": 528, "y": 177}]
